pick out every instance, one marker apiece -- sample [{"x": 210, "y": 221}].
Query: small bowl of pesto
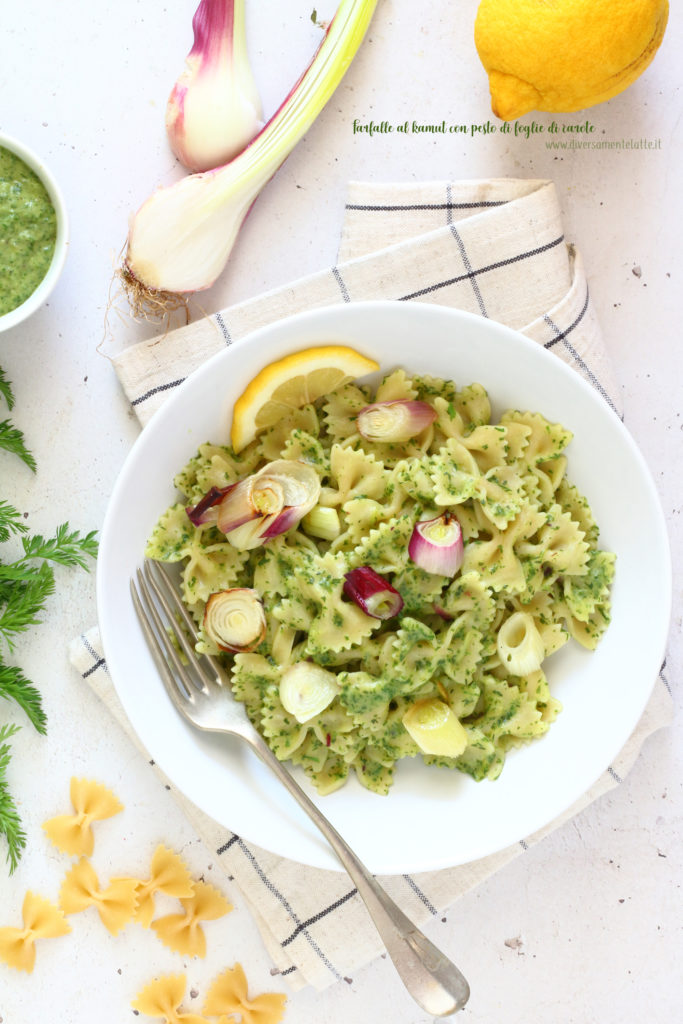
[{"x": 33, "y": 232}]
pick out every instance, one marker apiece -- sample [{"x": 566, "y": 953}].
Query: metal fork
[{"x": 200, "y": 691}]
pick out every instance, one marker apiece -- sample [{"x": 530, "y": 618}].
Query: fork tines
[{"x": 170, "y": 633}]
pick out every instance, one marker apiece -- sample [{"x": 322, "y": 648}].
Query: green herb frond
[
  {"x": 67, "y": 547},
  {"x": 23, "y": 599},
  {"x": 11, "y": 521},
  {"x": 15, "y": 686},
  {"x": 12, "y": 440},
  {"x": 10, "y": 822},
  {"x": 25, "y": 585},
  {"x": 6, "y": 390}
]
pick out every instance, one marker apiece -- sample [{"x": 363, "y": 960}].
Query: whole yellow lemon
[{"x": 562, "y": 55}]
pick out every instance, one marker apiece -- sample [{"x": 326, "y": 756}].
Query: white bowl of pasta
[{"x": 537, "y": 740}]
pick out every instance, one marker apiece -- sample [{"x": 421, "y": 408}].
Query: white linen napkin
[{"x": 495, "y": 248}]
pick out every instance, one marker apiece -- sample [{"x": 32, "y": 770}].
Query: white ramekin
[{"x": 38, "y": 297}]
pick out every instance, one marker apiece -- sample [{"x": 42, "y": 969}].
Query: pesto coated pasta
[{"x": 532, "y": 578}]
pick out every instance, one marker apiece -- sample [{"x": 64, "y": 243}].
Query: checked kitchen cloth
[{"x": 495, "y": 248}]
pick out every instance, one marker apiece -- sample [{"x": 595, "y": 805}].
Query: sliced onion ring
[
  {"x": 436, "y": 545},
  {"x": 372, "y": 593},
  {"x": 520, "y": 645},
  {"x": 307, "y": 689},
  {"x": 435, "y": 728},
  {"x": 394, "y": 421},
  {"x": 235, "y": 620},
  {"x": 322, "y": 521}
]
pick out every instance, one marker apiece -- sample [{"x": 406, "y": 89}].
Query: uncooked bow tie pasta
[
  {"x": 162, "y": 998},
  {"x": 183, "y": 932},
  {"x": 169, "y": 875},
  {"x": 420, "y": 597},
  {"x": 228, "y": 997},
  {"x": 72, "y": 833},
  {"x": 115, "y": 904},
  {"x": 42, "y": 920}
]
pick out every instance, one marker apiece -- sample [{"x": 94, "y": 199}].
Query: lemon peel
[
  {"x": 564, "y": 55},
  {"x": 292, "y": 382}
]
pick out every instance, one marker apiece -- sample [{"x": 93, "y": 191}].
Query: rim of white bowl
[{"x": 41, "y": 293}]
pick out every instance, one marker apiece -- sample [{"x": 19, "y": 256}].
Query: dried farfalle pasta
[
  {"x": 42, "y": 920},
  {"x": 227, "y": 997},
  {"x": 162, "y": 998},
  {"x": 169, "y": 875},
  {"x": 72, "y": 833},
  {"x": 116, "y": 904},
  {"x": 183, "y": 932}
]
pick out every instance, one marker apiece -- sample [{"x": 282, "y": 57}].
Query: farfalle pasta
[
  {"x": 72, "y": 833},
  {"x": 530, "y": 549},
  {"x": 228, "y": 999},
  {"x": 169, "y": 875},
  {"x": 114, "y": 903},
  {"x": 162, "y": 997},
  {"x": 41, "y": 920},
  {"x": 183, "y": 932}
]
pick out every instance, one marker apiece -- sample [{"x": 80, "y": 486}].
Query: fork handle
[{"x": 434, "y": 982}]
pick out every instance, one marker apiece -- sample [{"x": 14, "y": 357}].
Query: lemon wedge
[{"x": 292, "y": 382}]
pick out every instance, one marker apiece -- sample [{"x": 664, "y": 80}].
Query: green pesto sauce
[{"x": 28, "y": 229}]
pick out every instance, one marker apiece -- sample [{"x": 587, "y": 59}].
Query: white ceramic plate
[{"x": 432, "y": 818}]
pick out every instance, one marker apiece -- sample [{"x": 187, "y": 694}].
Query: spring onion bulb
[
  {"x": 435, "y": 728},
  {"x": 394, "y": 421},
  {"x": 436, "y": 545},
  {"x": 323, "y": 522},
  {"x": 520, "y": 645},
  {"x": 372, "y": 593},
  {"x": 214, "y": 108},
  {"x": 306, "y": 690},
  {"x": 268, "y": 503},
  {"x": 206, "y": 510},
  {"x": 235, "y": 620},
  {"x": 181, "y": 238}
]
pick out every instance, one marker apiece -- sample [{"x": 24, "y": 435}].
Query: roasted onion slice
[
  {"x": 372, "y": 593},
  {"x": 435, "y": 728},
  {"x": 235, "y": 620},
  {"x": 394, "y": 421},
  {"x": 520, "y": 645},
  {"x": 436, "y": 545},
  {"x": 307, "y": 689},
  {"x": 274, "y": 500}
]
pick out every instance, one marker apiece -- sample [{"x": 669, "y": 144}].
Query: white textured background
[{"x": 588, "y": 926}]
